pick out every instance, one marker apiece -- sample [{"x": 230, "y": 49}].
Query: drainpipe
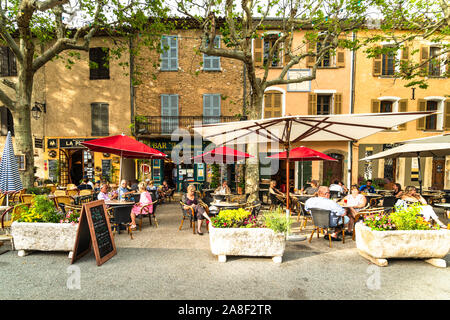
[
  {"x": 352, "y": 109},
  {"x": 131, "y": 82}
]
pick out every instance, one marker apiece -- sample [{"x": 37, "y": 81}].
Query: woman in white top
[
  {"x": 411, "y": 196},
  {"x": 353, "y": 203}
]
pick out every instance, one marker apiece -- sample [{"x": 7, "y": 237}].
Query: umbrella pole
[
  {"x": 120, "y": 169},
  {"x": 302, "y": 175},
  {"x": 420, "y": 172}
]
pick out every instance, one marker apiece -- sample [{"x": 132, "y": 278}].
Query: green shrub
[
  {"x": 277, "y": 220},
  {"x": 409, "y": 218}
]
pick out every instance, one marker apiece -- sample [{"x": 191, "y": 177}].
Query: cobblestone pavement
[{"x": 164, "y": 263}]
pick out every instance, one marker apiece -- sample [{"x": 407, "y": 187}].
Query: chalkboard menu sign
[
  {"x": 94, "y": 230},
  {"x": 106, "y": 168}
]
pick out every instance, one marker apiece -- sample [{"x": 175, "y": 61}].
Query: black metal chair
[
  {"x": 254, "y": 207},
  {"x": 322, "y": 219},
  {"x": 388, "y": 203},
  {"x": 335, "y": 194},
  {"x": 150, "y": 215},
  {"x": 187, "y": 214},
  {"x": 120, "y": 215}
]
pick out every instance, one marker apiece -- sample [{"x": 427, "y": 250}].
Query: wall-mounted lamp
[
  {"x": 413, "y": 93},
  {"x": 36, "y": 110}
]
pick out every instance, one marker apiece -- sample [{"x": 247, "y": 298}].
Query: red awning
[
  {"x": 222, "y": 155},
  {"x": 302, "y": 154},
  {"x": 124, "y": 146}
]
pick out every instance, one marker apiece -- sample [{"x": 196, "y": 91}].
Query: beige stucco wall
[
  {"x": 69, "y": 94},
  {"x": 368, "y": 87}
]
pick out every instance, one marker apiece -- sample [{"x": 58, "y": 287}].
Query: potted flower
[
  {"x": 42, "y": 227},
  {"x": 402, "y": 234},
  {"x": 238, "y": 233}
]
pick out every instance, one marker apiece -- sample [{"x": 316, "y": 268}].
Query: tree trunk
[
  {"x": 24, "y": 143},
  {"x": 252, "y": 164}
]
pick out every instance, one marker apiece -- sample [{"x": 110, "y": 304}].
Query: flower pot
[
  {"x": 246, "y": 242},
  {"x": 377, "y": 246},
  {"x": 43, "y": 236},
  {"x": 239, "y": 190}
]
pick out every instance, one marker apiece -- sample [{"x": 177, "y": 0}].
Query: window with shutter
[
  {"x": 421, "y": 106},
  {"x": 340, "y": 58},
  {"x": 272, "y": 104},
  {"x": 326, "y": 58},
  {"x": 375, "y": 106},
  {"x": 310, "y": 60},
  {"x": 212, "y": 63},
  {"x": 269, "y": 42},
  {"x": 402, "y": 107},
  {"x": 100, "y": 119},
  {"x": 312, "y": 104},
  {"x": 423, "y": 59},
  {"x": 431, "y": 120},
  {"x": 169, "y": 113},
  {"x": 446, "y": 115},
  {"x": 338, "y": 103},
  {"x": 434, "y": 65},
  {"x": 98, "y": 63},
  {"x": 376, "y": 70},
  {"x": 6, "y": 121},
  {"x": 388, "y": 64},
  {"x": 8, "y": 66},
  {"x": 169, "y": 55},
  {"x": 211, "y": 108},
  {"x": 323, "y": 104},
  {"x": 258, "y": 52}
]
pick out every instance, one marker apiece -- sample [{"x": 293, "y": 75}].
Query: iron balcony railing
[{"x": 166, "y": 125}]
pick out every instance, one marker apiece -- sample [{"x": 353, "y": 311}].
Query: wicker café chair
[{"x": 149, "y": 214}]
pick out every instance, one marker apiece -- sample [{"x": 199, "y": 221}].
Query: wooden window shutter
[
  {"x": 3, "y": 121},
  {"x": 448, "y": 65},
  {"x": 12, "y": 63},
  {"x": 104, "y": 116},
  {"x": 312, "y": 104},
  {"x": 447, "y": 115},
  {"x": 375, "y": 106},
  {"x": 276, "y": 106},
  {"x": 310, "y": 61},
  {"x": 100, "y": 119},
  {"x": 421, "y": 106},
  {"x": 258, "y": 51},
  {"x": 4, "y": 64},
  {"x": 405, "y": 57},
  {"x": 402, "y": 107},
  {"x": 377, "y": 64},
  {"x": 424, "y": 54},
  {"x": 95, "y": 119},
  {"x": 340, "y": 58},
  {"x": 338, "y": 103},
  {"x": 268, "y": 105}
]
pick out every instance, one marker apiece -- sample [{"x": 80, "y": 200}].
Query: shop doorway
[
  {"x": 74, "y": 165},
  {"x": 333, "y": 170},
  {"x": 438, "y": 173},
  {"x": 169, "y": 166}
]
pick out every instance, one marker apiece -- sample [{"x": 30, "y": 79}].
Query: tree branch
[
  {"x": 9, "y": 84},
  {"x": 7, "y": 101}
]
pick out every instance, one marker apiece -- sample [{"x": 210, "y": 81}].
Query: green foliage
[
  {"x": 42, "y": 209},
  {"x": 38, "y": 190},
  {"x": 215, "y": 176},
  {"x": 409, "y": 218},
  {"x": 277, "y": 220},
  {"x": 239, "y": 218}
]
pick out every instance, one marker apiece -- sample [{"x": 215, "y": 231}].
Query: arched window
[{"x": 6, "y": 121}]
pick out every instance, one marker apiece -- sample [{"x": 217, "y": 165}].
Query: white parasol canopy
[
  {"x": 340, "y": 127},
  {"x": 411, "y": 150}
]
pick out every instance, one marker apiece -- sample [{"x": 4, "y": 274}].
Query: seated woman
[
  {"x": 144, "y": 200},
  {"x": 353, "y": 203},
  {"x": 398, "y": 193},
  {"x": 191, "y": 201},
  {"x": 273, "y": 192},
  {"x": 410, "y": 196},
  {"x": 224, "y": 189},
  {"x": 312, "y": 190}
]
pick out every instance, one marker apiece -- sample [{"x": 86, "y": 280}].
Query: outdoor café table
[
  {"x": 226, "y": 205},
  {"x": 220, "y": 196},
  {"x": 372, "y": 196},
  {"x": 302, "y": 197},
  {"x": 429, "y": 197}
]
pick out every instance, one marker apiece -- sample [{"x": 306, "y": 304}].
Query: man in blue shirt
[
  {"x": 323, "y": 201},
  {"x": 368, "y": 187}
]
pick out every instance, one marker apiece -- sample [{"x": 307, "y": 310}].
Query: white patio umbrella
[
  {"x": 410, "y": 149},
  {"x": 9, "y": 172},
  {"x": 291, "y": 129}
]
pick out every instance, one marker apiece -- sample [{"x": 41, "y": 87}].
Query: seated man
[
  {"x": 323, "y": 201},
  {"x": 368, "y": 187},
  {"x": 85, "y": 184},
  {"x": 224, "y": 189}
]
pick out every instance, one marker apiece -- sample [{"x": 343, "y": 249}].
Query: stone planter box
[
  {"x": 378, "y": 246},
  {"x": 262, "y": 242},
  {"x": 29, "y": 236}
]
